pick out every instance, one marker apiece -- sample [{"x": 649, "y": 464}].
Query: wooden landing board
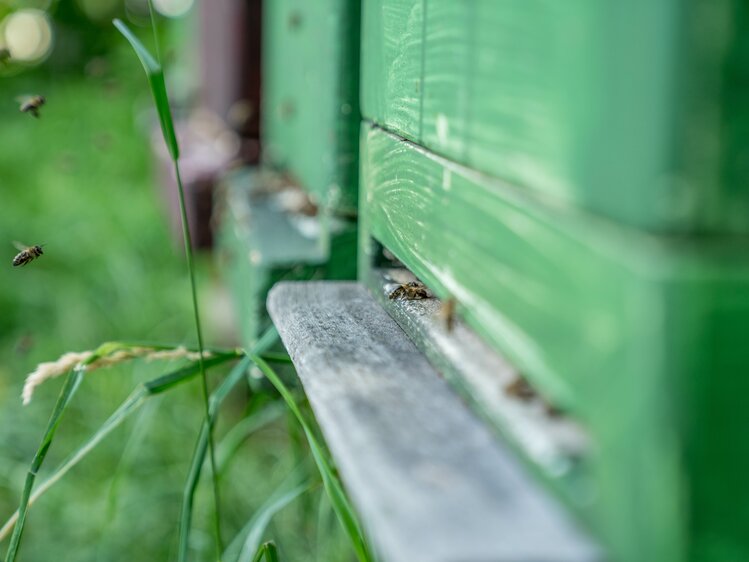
[
  {"x": 428, "y": 479},
  {"x": 553, "y": 442}
]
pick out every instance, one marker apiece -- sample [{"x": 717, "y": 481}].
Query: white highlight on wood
[{"x": 443, "y": 128}]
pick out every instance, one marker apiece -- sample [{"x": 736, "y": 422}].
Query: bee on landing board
[
  {"x": 412, "y": 290},
  {"x": 520, "y": 388},
  {"x": 31, "y": 104},
  {"x": 27, "y": 254},
  {"x": 447, "y": 313}
]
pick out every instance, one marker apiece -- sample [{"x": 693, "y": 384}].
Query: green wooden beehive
[
  {"x": 630, "y": 110},
  {"x": 310, "y": 121},
  {"x": 263, "y": 241},
  {"x": 311, "y": 97},
  {"x": 571, "y": 175}
]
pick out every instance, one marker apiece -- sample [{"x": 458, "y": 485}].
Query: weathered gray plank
[
  {"x": 429, "y": 480},
  {"x": 553, "y": 442}
]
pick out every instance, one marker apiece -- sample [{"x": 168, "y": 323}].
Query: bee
[
  {"x": 31, "y": 104},
  {"x": 447, "y": 313},
  {"x": 411, "y": 291},
  {"x": 520, "y": 388},
  {"x": 552, "y": 411},
  {"x": 27, "y": 254}
]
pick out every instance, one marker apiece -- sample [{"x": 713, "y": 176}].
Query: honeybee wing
[
  {"x": 19, "y": 246},
  {"x": 31, "y": 101}
]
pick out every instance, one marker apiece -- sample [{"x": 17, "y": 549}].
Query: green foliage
[
  {"x": 81, "y": 181},
  {"x": 128, "y": 407},
  {"x": 155, "y": 76},
  {"x": 71, "y": 385},
  {"x": 219, "y": 395},
  {"x": 247, "y": 542},
  {"x": 108, "y": 271},
  {"x": 338, "y": 498},
  {"x": 266, "y": 551},
  {"x": 199, "y": 456}
]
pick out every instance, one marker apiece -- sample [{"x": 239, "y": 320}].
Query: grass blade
[
  {"x": 131, "y": 404},
  {"x": 127, "y": 408},
  {"x": 156, "y": 81},
  {"x": 244, "y": 548},
  {"x": 155, "y": 76},
  {"x": 165, "y": 382},
  {"x": 248, "y": 425},
  {"x": 268, "y": 551},
  {"x": 261, "y": 519},
  {"x": 324, "y": 531},
  {"x": 198, "y": 459},
  {"x": 333, "y": 487},
  {"x": 72, "y": 382},
  {"x": 276, "y": 357},
  {"x": 136, "y": 438}
]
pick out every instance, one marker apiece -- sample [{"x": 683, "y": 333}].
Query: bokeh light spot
[
  {"x": 172, "y": 8},
  {"x": 99, "y": 9},
  {"x": 27, "y": 35}
]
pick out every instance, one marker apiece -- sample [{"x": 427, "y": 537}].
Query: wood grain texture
[
  {"x": 554, "y": 443},
  {"x": 391, "y": 51},
  {"x": 599, "y": 318},
  {"x": 311, "y": 95},
  {"x": 627, "y": 110},
  {"x": 428, "y": 479}
]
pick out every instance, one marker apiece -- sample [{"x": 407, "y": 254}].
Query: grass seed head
[{"x": 73, "y": 359}]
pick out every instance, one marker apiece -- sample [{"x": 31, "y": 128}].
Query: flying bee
[
  {"x": 27, "y": 254},
  {"x": 411, "y": 291},
  {"x": 31, "y": 104}
]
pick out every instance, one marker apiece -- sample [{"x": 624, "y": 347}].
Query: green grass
[
  {"x": 154, "y": 73},
  {"x": 80, "y": 179},
  {"x": 267, "y": 552},
  {"x": 338, "y": 498}
]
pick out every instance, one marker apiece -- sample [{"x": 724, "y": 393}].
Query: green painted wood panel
[
  {"x": 261, "y": 244},
  {"x": 713, "y": 111},
  {"x": 392, "y": 51},
  {"x": 310, "y": 113},
  {"x": 633, "y": 110},
  {"x": 639, "y": 337}
]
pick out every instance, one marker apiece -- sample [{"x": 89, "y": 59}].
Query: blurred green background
[{"x": 81, "y": 180}]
